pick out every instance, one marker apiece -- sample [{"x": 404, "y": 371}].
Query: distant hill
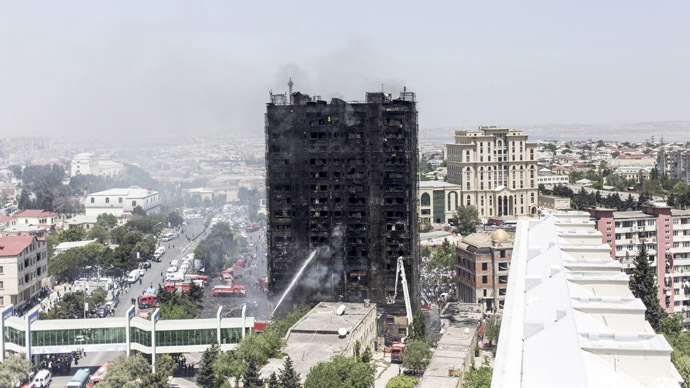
[{"x": 670, "y": 130}]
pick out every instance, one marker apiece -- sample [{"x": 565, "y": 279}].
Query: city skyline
[{"x": 174, "y": 69}]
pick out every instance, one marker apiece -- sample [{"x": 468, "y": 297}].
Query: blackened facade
[{"x": 342, "y": 180}]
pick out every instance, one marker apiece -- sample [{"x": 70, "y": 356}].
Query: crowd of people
[{"x": 59, "y": 364}]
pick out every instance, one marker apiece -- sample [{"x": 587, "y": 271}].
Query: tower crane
[{"x": 400, "y": 273}]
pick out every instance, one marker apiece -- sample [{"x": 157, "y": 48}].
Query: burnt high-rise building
[{"x": 342, "y": 181}]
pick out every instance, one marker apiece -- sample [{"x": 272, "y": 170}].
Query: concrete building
[
  {"x": 570, "y": 318},
  {"x": 23, "y": 264},
  {"x": 546, "y": 177},
  {"x": 438, "y": 201},
  {"x": 65, "y": 246},
  {"x": 666, "y": 234},
  {"x": 342, "y": 186},
  {"x": 122, "y": 201},
  {"x": 84, "y": 164},
  {"x": 316, "y": 337},
  {"x": 637, "y": 173},
  {"x": 37, "y": 217},
  {"x": 454, "y": 352},
  {"x": 87, "y": 164},
  {"x": 7, "y": 222},
  {"x": 553, "y": 202},
  {"x": 482, "y": 265},
  {"x": 675, "y": 163},
  {"x": 82, "y": 221},
  {"x": 497, "y": 170}
]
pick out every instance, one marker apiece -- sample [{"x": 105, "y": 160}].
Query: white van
[
  {"x": 173, "y": 263},
  {"x": 172, "y": 269},
  {"x": 133, "y": 276},
  {"x": 168, "y": 237},
  {"x": 42, "y": 378}
]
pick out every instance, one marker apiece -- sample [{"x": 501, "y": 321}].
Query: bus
[
  {"x": 168, "y": 237},
  {"x": 100, "y": 374},
  {"x": 80, "y": 379}
]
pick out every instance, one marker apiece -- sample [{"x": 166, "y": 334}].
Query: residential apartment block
[
  {"x": 342, "y": 182},
  {"x": 23, "y": 264},
  {"x": 122, "y": 201},
  {"x": 482, "y": 265},
  {"x": 497, "y": 170},
  {"x": 675, "y": 163},
  {"x": 666, "y": 234}
]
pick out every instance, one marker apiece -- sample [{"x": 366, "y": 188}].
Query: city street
[{"x": 175, "y": 249}]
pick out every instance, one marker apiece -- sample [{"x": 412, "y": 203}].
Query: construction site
[{"x": 341, "y": 187}]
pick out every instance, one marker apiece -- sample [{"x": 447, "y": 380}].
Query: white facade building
[
  {"x": 570, "y": 319},
  {"x": 122, "y": 201},
  {"x": 87, "y": 164}
]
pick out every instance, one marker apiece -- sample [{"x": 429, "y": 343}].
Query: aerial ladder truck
[{"x": 398, "y": 347}]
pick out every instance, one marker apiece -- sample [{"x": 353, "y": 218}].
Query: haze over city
[{"x": 177, "y": 68}]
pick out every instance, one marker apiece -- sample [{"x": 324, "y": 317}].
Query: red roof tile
[
  {"x": 14, "y": 245},
  {"x": 35, "y": 213},
  {"x": 4, "y": 218}
]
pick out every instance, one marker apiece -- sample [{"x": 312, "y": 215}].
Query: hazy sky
[{"x": 138, "y": 67}]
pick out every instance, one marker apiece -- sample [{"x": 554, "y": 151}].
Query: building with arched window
[
  {"x": 437, "y": 201},
  {"x": 495, "y": 170}
]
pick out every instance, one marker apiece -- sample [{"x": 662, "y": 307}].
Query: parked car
[{"x": 102, "y": 311}]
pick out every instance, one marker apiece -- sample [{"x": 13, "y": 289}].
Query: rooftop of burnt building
[{"x": 298, "y": 98}]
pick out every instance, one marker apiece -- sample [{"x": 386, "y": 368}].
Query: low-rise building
[
  {"x": 37, "y": 217},
  {"x": 554, "y": 202},
  {"x": 438, "y": 201},
  {"x": 65, "y": 246},
  {"x": 83, "y": 221},
  {"x": 637, "y": 173},
  {"x": 483, "y": 262},
  {"x": 546, "y": 177},
  {"x": 23, "y": 264},
  {"x": 122, "y": 201},
  {"x": 325, "y": 332}
]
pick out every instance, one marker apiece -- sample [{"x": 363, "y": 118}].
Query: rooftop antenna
[{"x": 290, "y": 83}]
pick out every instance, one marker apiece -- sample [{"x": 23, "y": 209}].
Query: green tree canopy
[
  {"x": 106, "y": 220},
  {"x": 467, "y": 219},
  {"x": 341, "y": 372},
  {"x": 126, "y": 371},
  {"x": 206, "y": 377},
  {"x": 289, "y": 378},
  {"x": 417, "y": 356},
  {"x": 478, "y": 378},
  {"x": 72, "y": 234},
  {"x": 14, "y": 371},
  {"x": 417, "y": 330},
  {"x": 402, "y": 382}
]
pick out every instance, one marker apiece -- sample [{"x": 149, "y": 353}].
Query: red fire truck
[
  {"x": 397, "y": 351},
  {"x": 229, "y": 291},
  {"x": 147, "y": 301},
  {"x": 180, "y": 287},
  {"x": 263, "y": 283}
]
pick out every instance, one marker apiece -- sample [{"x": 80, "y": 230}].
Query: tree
[
  {"x": 195, "y": 293},
  {"x": 643, "y": 286},
  {"x": 493, "y": 328},
  {"x": 175, "y": 219},
  {"x": 467, "y": 219},
  {"x": 106, "y": 220},
  {"x": 205, "y": 377},
  {"x": 341, "y": 372},
  {"x": 417, "y": 356},
  {"x": 63, "y": 265},
  {"x": 478, "y": 378},
  {"x": 417, "y": 330},
  {"x": 671, "y": 325},
  {"x": 14, "y": 371},
  {"x": 72, "y": 234},
  {"x": 402, "y": 382},
  {"x": 124, "y": 371},
  {"x": 98, "y": 233},
  {"x": 138, "y": 211},
  {"x": 250, "y": 377},
  {"x": 273, "y": 381},
  {"x": 289, "y": 378}
]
